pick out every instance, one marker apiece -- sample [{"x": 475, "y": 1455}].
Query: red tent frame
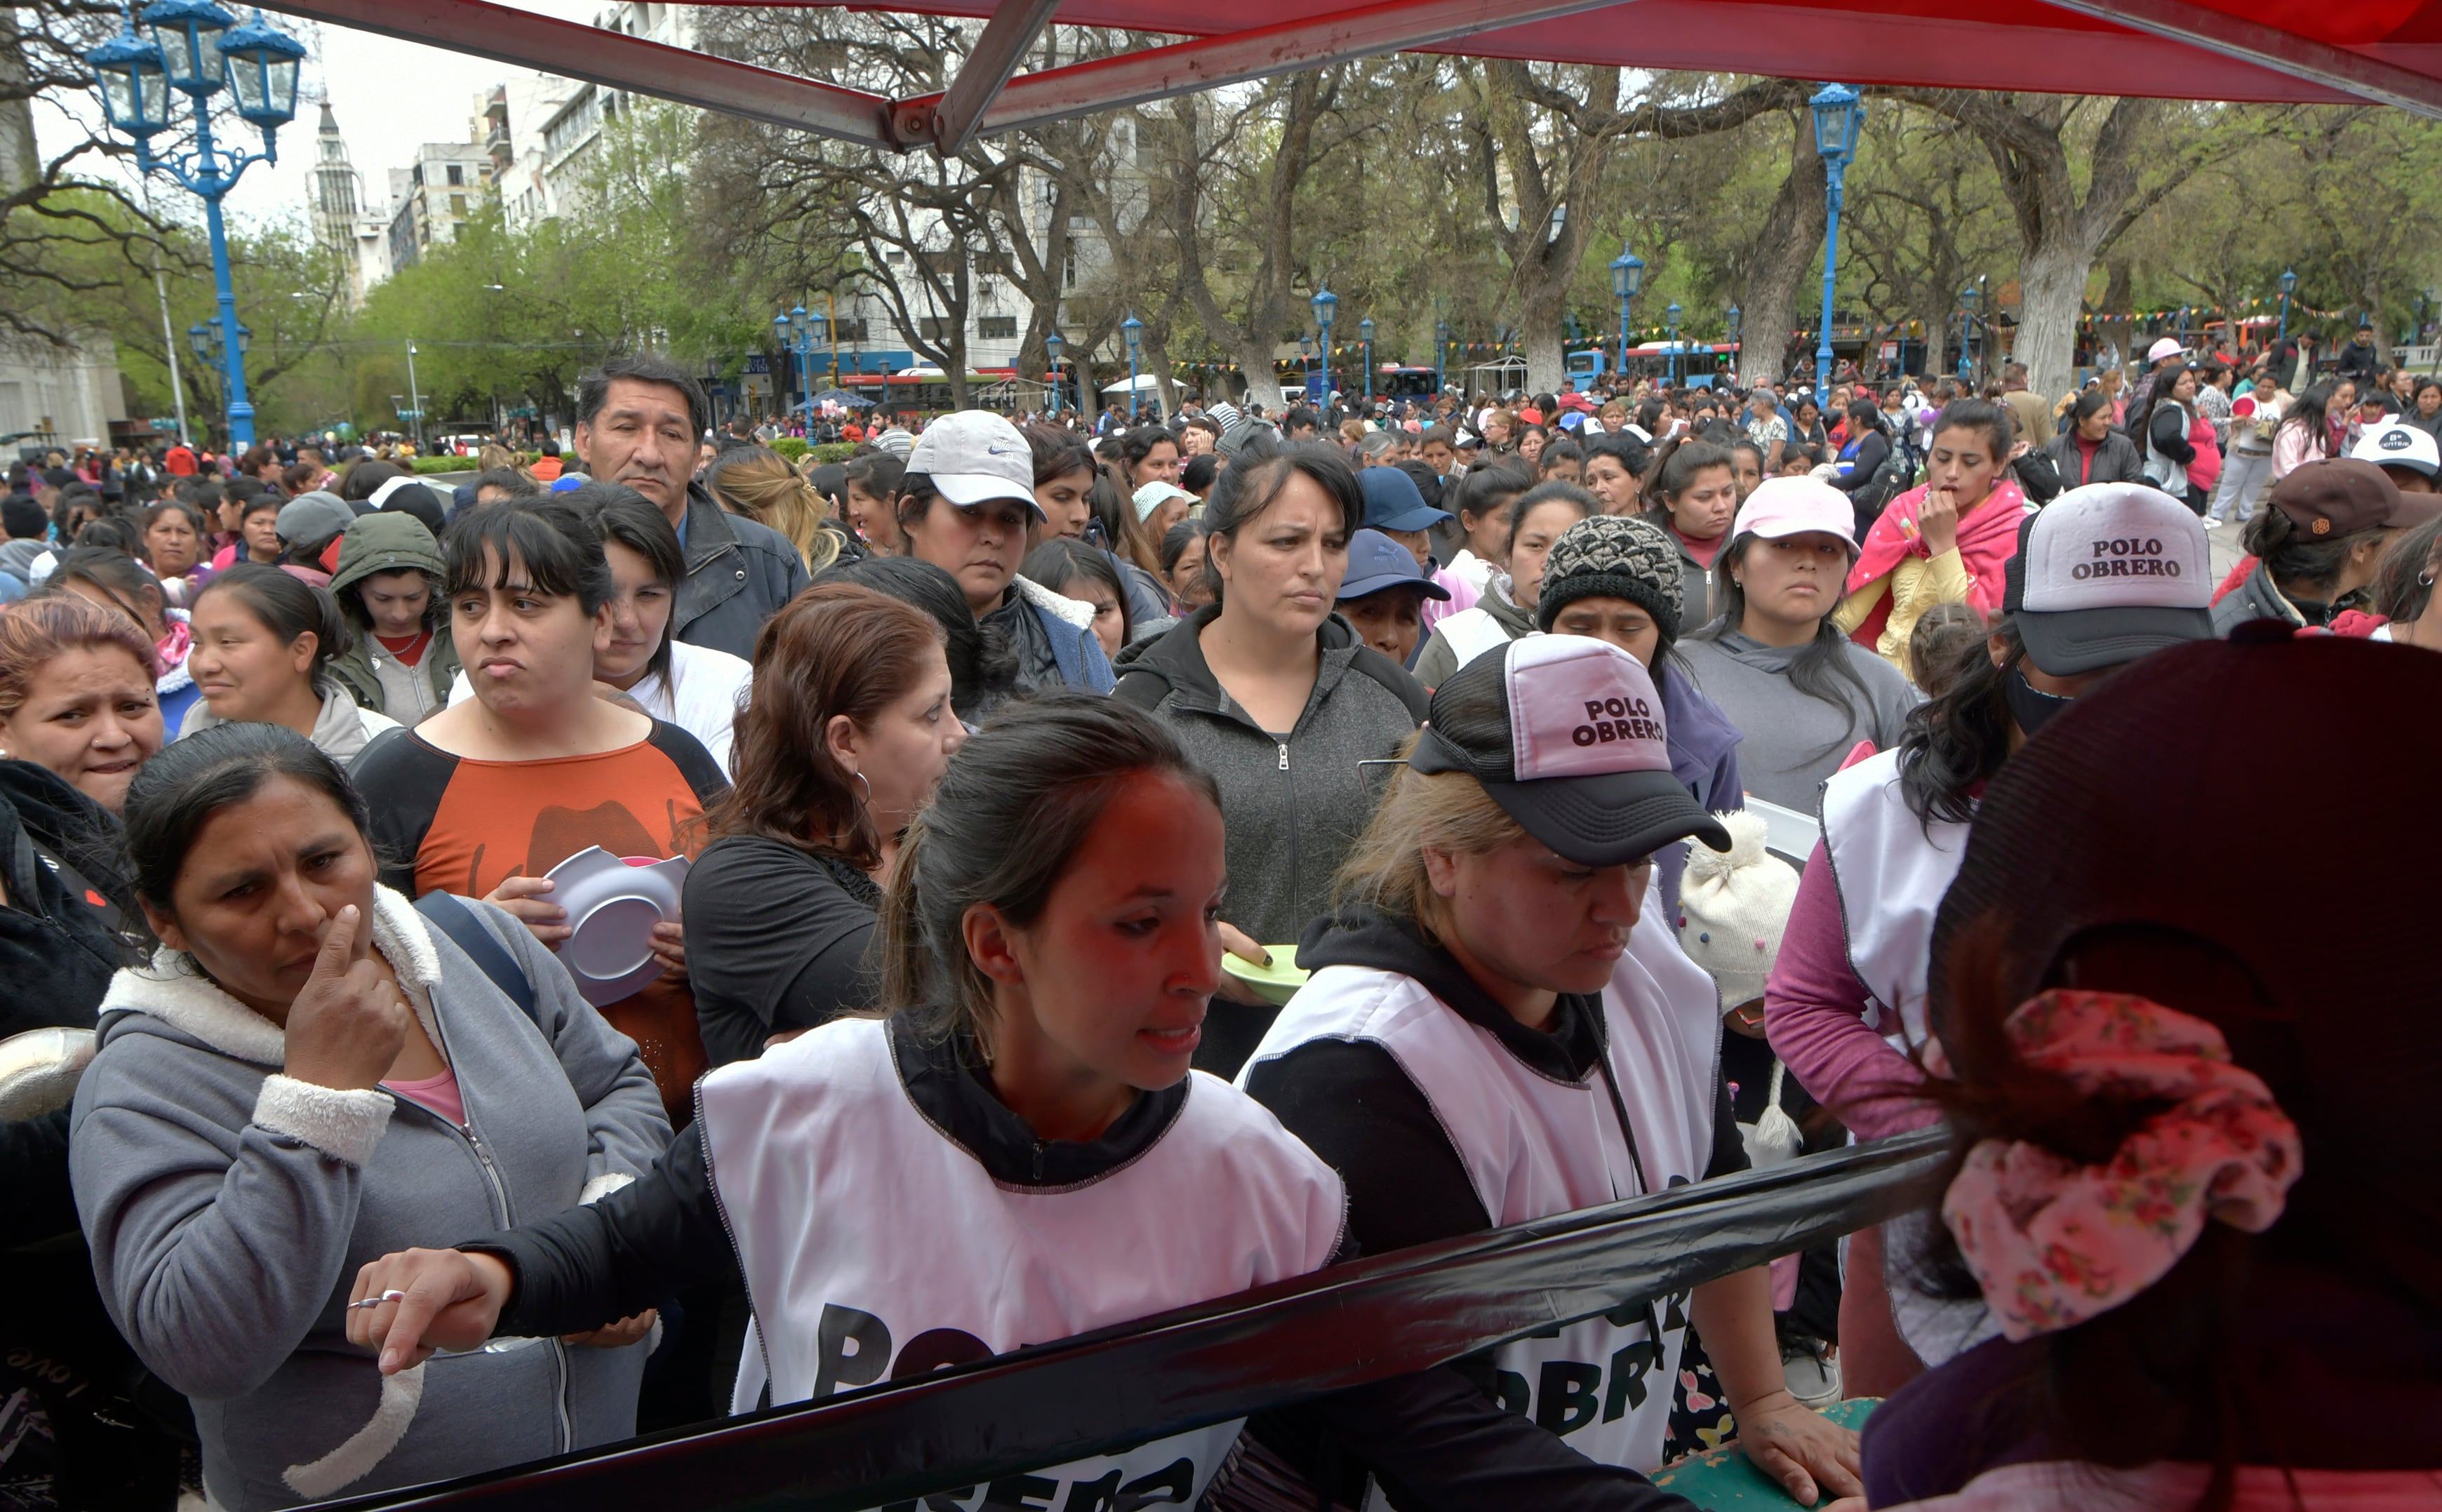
[{"x": 2386, "y": 51}]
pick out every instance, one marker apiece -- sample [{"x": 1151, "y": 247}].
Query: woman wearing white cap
[
  {"x": 1501, "y": 1026},
  {"x": 1017, "y": 1153},
  {"x": 2103, "y": 575},
  {"x": 965, "y": 505},
  {"x": 1803, "y": 693}
]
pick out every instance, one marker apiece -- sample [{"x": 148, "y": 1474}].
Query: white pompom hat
[{"x": 1733, "y": 907}]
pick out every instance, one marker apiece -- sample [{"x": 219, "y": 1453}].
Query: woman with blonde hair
[
  {"x": 1501, "y": 1026},
  {"x": 761, "y": 486}
]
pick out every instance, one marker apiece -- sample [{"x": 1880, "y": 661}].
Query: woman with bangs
[{"x": 488, "y": 795}]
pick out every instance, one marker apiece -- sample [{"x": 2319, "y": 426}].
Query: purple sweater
[{"x": 1815, "y": 1014}]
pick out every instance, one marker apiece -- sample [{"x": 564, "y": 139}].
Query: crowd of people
[{"x": 969, "y": 790}]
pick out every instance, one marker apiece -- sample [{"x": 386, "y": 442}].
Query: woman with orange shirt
[{"x": 486, "y": 796}]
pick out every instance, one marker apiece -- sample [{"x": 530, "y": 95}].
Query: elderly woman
[{"x": 307, "y": 1075}]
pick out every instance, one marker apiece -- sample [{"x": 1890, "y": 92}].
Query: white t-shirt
[{"x": 709, "y": 688}]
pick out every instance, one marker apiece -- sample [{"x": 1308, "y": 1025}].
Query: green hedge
[
  {"x": 425, "y": 465},
  {"x": 796, "y": 448}
]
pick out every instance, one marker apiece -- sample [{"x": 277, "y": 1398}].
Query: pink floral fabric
[{"x": 2053, "y": 1244}]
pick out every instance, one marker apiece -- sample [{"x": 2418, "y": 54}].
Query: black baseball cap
[{"x": 1566, "y": 734}]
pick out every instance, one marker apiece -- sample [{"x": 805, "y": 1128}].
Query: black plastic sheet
[{"x": 1353, "y": 1323}]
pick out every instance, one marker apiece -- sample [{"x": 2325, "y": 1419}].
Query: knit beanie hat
[
  {"x": 1733, "y": 907},
  {"x": 1612, "y": 557}
]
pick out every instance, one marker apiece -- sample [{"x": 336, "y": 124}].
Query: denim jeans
[{"x": 2242, "y": 474}]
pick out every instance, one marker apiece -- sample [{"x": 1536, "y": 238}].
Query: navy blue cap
[
  {"x": 1376, "y": 562},
  {"x": 1393, "y": 502}
]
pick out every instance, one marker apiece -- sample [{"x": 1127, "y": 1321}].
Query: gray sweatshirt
[
  {"x": 1794, "y": 740},
  {"x": 1293, "y": 801},
  {"x": 230, "y": 1207}
]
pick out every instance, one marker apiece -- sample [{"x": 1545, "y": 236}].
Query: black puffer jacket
[{"x": 59, "y": 852}]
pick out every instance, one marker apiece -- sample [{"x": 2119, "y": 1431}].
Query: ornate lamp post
[
  {"x": 1135, "y": 331},
  {"x": 1326, "y": 309},
  {"x": 1441, "y": 355},
  {"x": 1838, "y": 112},
  {"x": 801, "y": 321},
  {"x": 1051, "y": 345},
  {"x": 1967, "y": 298},
  {"x": 1730, "y": 323},
  {"x": 1365, "y": 331},
  {"x": 1672, "y": 315},
  {"x": 1626, "y": 280},
  {"x": 197, "y": 48},
  {"x": 2288, "y": 285}
]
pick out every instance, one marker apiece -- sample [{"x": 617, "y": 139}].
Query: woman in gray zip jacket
[
  {"x": 1274, "y": 695},
  {"x": 304, "y": 1078}
]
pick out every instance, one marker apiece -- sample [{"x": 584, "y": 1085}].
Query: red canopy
[{"x": 2299, "y": 50}]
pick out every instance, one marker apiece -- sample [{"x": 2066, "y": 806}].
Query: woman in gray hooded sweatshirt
[{"x": 306, "y": 1076}]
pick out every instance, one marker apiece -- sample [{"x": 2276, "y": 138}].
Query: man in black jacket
[
  {"x": 2360, "y": 359},
  {"x": 638, "y": 418}
]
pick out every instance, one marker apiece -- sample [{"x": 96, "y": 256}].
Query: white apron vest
[
  {"x": 1533, "y": 1147},
  {"x": 1471, "y": 632},
  {"x": 1891, "y": 870},
  {"x": 875, "y": 1247}
]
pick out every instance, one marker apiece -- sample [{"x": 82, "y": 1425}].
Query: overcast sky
[{"x": 389, "y": 97}]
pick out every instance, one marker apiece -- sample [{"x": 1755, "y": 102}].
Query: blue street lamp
[
  {"x": 1441, "y": 355},
  {"x": 1731, "y": 321},
  {"x": 1838, "y": 112},
  {"x": 1966, "y": 325},
  {"x": 1626, "y": 280},
  {"x": 801, "y": 323},
  {"x": 1134, "y": 329},
  {"x": 1365, "y": 331},
  {"x": 197, "y": 48},
  {"x": 1672, "y": 315},
  {"x": 1051, "y": 345},
  {"x": 788, "y": 352},
  {"x": 1326, "y": 309},
  {"x": 2288, "y": 284},
  {"x": 826, "y": 332}
]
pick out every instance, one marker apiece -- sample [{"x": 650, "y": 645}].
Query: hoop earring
[{"x": 866, "y": 786}]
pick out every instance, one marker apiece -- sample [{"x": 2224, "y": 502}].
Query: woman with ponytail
[
  {"x": 1694, "y": 486},
  {"x": 762, "y": 486},
  {"x": 263, "y": 644},
  {"x": 1845, "y": 1007},
  {"x": 1024, "y": 1108}
]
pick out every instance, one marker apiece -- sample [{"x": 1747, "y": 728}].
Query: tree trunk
[
  {"x": 1263, "y": 386},
  {"x": 1936, "y": 339},
  {"x": 2051, "y": 289},
  {"x": 1786, "y": 247},
  {"x": 1547, "y": 368}
]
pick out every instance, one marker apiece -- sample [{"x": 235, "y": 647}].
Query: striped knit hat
[{"x": 1612, "y": 557}]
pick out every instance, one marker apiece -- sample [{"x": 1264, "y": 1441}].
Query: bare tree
[
  {"x": 1926, "y": 221},
  {"x": 1785, "y": 248},
  {"x": 1297, "y": 110},
  {"x": 1546, "y": 135},
  {"x": 2039, "y": 142},
  {"x": 66, "y": 237}
]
